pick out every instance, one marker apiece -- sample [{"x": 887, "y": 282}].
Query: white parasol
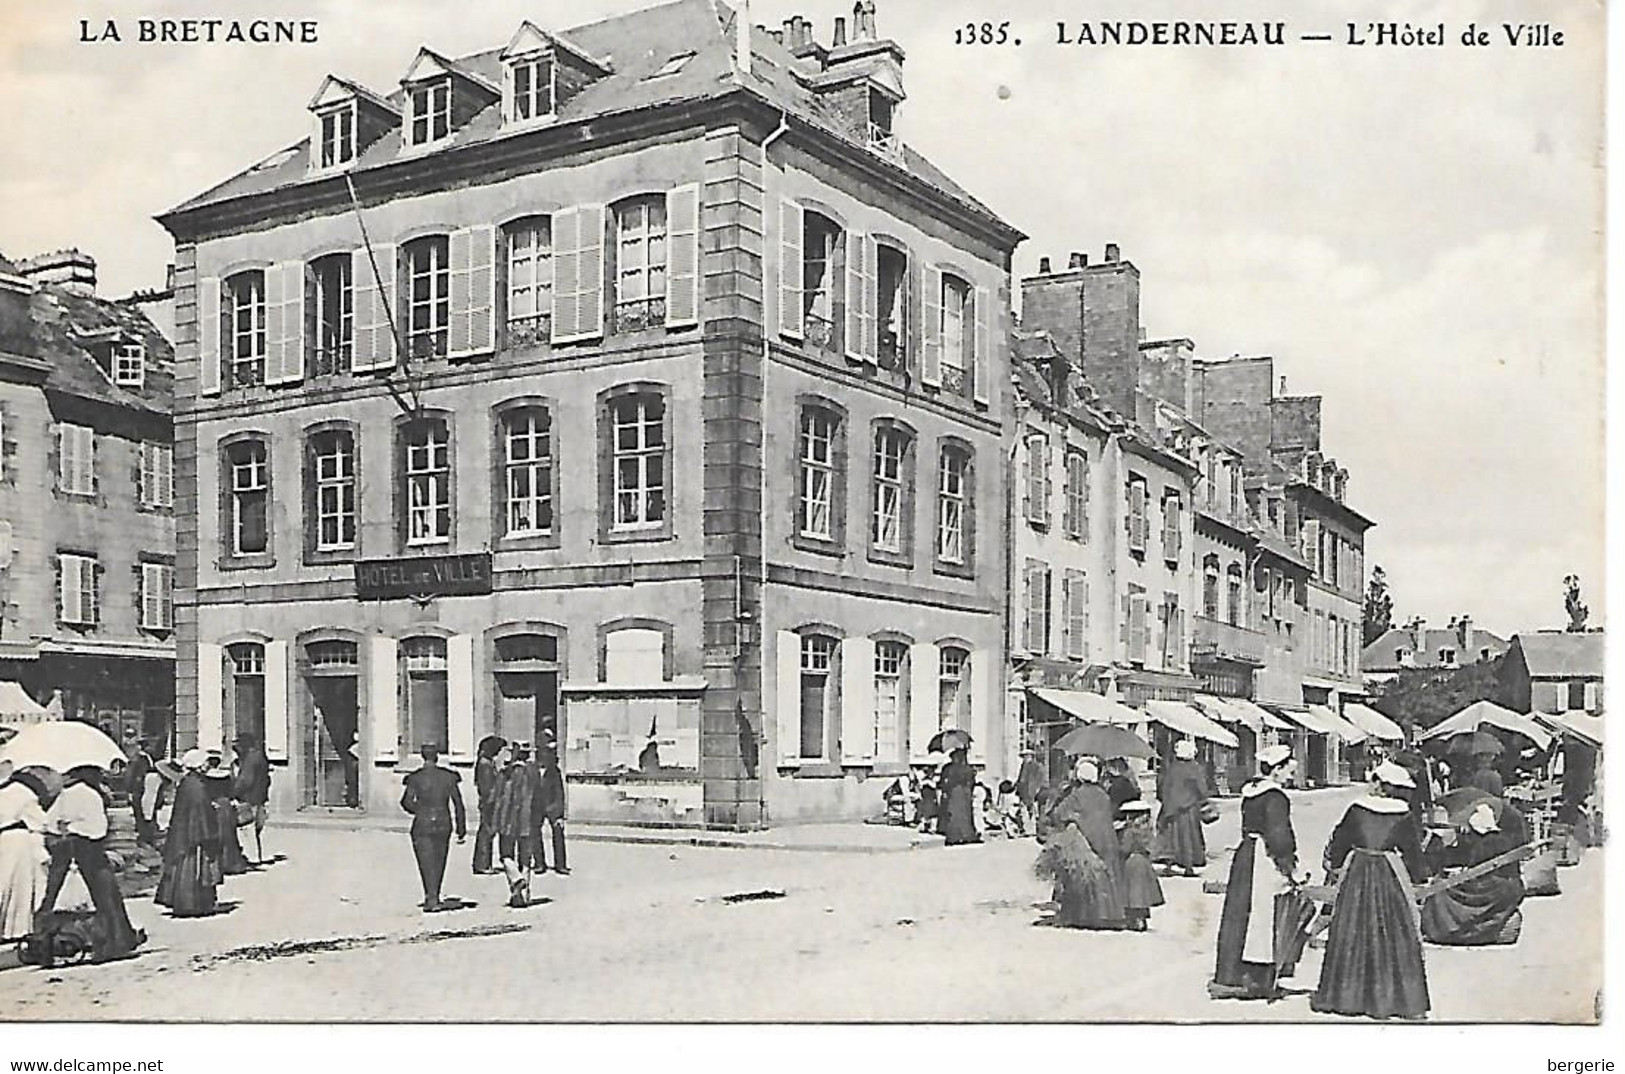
[{"x": 62, "y": 746}]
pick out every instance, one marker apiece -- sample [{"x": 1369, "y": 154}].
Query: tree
[
  {"x": 1421, "y": 697},
  {"x": 1379, "y": 607},
  {"x": 1578, "y": 613}
]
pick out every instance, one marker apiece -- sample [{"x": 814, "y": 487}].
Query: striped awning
[
  {"x": 1373, "y": 723},
  {"x": 1090, "y": 707},
  {"x": 1185, "y": 719},
  {"x": 1340, "y": 727}
]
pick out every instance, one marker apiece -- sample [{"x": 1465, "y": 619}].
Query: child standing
[{"x": 1141, "y": 889}]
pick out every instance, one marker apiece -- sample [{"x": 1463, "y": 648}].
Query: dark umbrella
[
  {"x": 1104, "y": 741},
  {"x": 1460, "y": 804},
  {"x": 1477, "y": 743},
  {"x": 948, "y": 741}
]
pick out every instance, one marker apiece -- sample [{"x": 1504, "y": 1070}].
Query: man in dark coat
[
  {"x": 136, "y": 779},
  {"x": 487, "y": 782},
  {"x": 519, "y": 823},
  {"x": 552, "y": 811},
  {"x": 252, "y": 787},
  {"x": 1031, "y": 785},
  {"x": 433, "y": 798}
]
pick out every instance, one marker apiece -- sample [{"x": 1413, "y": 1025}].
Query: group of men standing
[{"x": 518, "y": 794}]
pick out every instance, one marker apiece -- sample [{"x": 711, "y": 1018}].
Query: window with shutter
[
  {"x": 375, "y": 308},
  {"x": 931, "y": 326},
  {"x": 891, "y": 312},
  {"x": 792, "y": 268},
  {"x": 76, "y": 589},
  {"x": 1036, "y": 636},
  {"x": 1136, "y": 520},
  {"x": 208, "y": 329},
  {"x": 1138, "y": 605},
  {"x": 578, "y": 266},
  {"x": 528, "y": 307},
  {"x": 958, "y": 352},
  {"x": 157, "y": 602},
  {"x": 683, "y": 279},
  {"x": 244, "y": 329},
  {"x": 861, "y": 253},
  {"x": 642, "y": 262},
  {"x": 76, "y": 459},
  {"x": 472, "y": 312},
  {"x": 426, "y": 296},
  {"x": 1035, "y": 494}
]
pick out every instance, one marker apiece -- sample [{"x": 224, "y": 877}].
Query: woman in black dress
[
  {"x": 1373, "y": 964},
  {"x": 959, "y": 800},
  {"x": 1082, "y": 855},
  {"x": 1265, "y": 866}
]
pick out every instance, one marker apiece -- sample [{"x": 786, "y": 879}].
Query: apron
[{"x": 1259, "y": 944}]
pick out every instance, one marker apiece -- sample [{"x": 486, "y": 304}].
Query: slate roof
[
  {"x": 635, "y": 45},
  {"x": 1562, "y": 656},
  {"x": 1383, "y": 654},
  {"x": 64, "y": 330}
]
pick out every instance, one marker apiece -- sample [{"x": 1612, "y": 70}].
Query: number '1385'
[{"x": 982, "y": 33}]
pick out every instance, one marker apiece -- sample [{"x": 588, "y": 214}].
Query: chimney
[
  {"x": 1113, "y": 254},
  {"x": 1043, "y": 266},
  {"x": 1093, "y": 314},
  {"x": 863, "y": 21},
  {"x": 1419, "y": 635},
  {"x": 742, "y": 37},
  {"x": 68, "y": 269},
  {"x": 1078, "y": 261},
  {"x": 1283, "y": 386},
  {"x": 840, "y": 32},
  {"x": 1464, "y": 636}
]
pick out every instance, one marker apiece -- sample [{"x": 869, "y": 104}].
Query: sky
[{"x": 1413, "y": 234}]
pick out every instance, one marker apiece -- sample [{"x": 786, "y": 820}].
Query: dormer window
[
  {"x": 531, "y": 88},
  {"x": 129, "y": 364},
  {"x": 881, "y": 111},
  {"x": 671, "y": 66},
  {"x": 337, "y": 135},
  {"x": 431, "y": 112}
]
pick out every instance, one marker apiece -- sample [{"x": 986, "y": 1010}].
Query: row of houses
[{"x": 633, "y": 384}]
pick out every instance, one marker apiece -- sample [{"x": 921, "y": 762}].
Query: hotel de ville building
[{"x": 630, "y": 384}]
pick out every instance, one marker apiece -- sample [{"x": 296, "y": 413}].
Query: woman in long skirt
[
  {"x": 191, "y": 847},
  {"x": 22, "y": 854},
  {"x": 1251, "y": 955},
  {"x": 1373, "y": 964},
  {"x": 1082, "y": 855},
  {"x": 1486, "y": 909},
  {"x": 1142, "y": 892},
  {"x": 1182, "y": 793},
  {"x": 959, "y": 800},
  {"x": 233, "y": 862}
]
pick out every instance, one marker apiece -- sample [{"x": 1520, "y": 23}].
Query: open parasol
[
  {"x": 948, "y": 741},
  {"x": 62, "y": 746},
  {"x": 1105, "y": 741},
  {"x": 1459, "y": 805}
]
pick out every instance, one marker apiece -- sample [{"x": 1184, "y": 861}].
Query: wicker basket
[{"x": 1540, "y": 874}]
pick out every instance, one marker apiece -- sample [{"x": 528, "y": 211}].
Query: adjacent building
[
  {"x": 87, "y": 500},
  {"x": 1554, "y": 672},
  {"x": 631, "y": 384},
  {"x": 1415, "y": 645}
]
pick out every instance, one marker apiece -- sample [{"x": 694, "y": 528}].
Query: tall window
[
  {"x": 129, "y": 364},
  {"x": 1210, "y": 586},
  {"x": 1076, "y": 520},
  {"x": 820, "y": 284},
  {"x": 952, "y": 694},
  {"x": 157, "y": 599},
  {"x": 428, "y": 482},
  {"x": 1035, "y": 491},
  {"x": 1138, "y": 525},
  {"x": 76, "y": 459},
  {"x": 817, "y": 670},
  {"x": 640, "y": 264},
  {"x": 532, "y": 81},
  {"x": 527, "y": 467},
  {"x": 1173, "y": 526},
  {"x": 891, "y": 490},
  {"x": 78, "y": 599},
  {"x": 245, "y": 327},
  {"x": 249, "y": 467},
  {"x": 157, "y": 475},
  {"x": 638, "y": 431},
  {"x": 1233, "y": 596},
  {"x": 953, "y": 506},
  {"x": 816, "y": 514},
  {"x": 428, "y": 296},
  {"x": 958, "y": 330},
  {"x": 530, "y": 281},
  {"x": 1037, "y": 597},
  {"x": 431, "y": 111},
  {"x": 1576, "y": 696},
  {"x": 247, "y": 665},
  {"x": 427, "y": 715},
  {"x": 891, "y": 658},
  {"x": 333, "y": 483},
  {"x": 332, "y": 323},
  {"x": 338, "y": 136},
  {"x": 1075, "y": 610},
  {"x": 892, "y": 272}
]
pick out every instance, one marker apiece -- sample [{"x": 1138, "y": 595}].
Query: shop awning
[
  {"x": 1373, "y": 723},
  {"x": 1183, "y": 718},
  {"x": 1306, "y": 720},
  {"x": 16, "y": 707},
  {"x": 1340, "y": 727},
  {"x": 1088, "y": 707},
  {"x": 1580, "y": 725},
  {"x": 1488, "y": 712},
  {"x": 1221, "y": 709}
]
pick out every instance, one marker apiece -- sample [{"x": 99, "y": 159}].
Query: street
[{"x": 642, "y": 933}]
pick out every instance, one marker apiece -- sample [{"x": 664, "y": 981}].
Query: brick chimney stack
[
  {"x": 1093, "y": 314},
  {"x": 1464, "y": 635},
  {"x": 72, "y": 270}
]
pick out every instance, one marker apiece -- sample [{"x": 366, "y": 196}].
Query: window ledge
[
  {"x": 955, "y": 570},
  {"x": 648, "y": 536},
  {"x": 832, "y": 548},
  {"x": 817, "y": 770},
  {"x": 527, "y": 543},
  {"x": 903, "y": 560},
  {"x": 257, "y": 562},
  {"x": 315, "y": 557}
]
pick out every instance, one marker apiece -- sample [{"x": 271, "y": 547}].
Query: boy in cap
[{"x": 436, "y": 804}]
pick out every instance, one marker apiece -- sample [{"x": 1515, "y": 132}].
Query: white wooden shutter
[
  {"x": 860, "y": 297},
  {"x": 931, "y": 327},
  {"x": 923, "y": 702},
  {"x": 211, "y": 728},
  {"x": 276, "y": 700},
  {"x": 787, "y": 688},
  {"x": 373, "y": 306},
  {"x": 460, "y": 696},
  {"x": 383, "y": 701},
  {"x": 590, "y": 299},
  {"x": 979, "y": 672},
  {"x": 151, "y": 602},
  {"x": 683, "y": 256},
  {"x": 1592, "y": 700},
  {"x": 165, "y": 472},
  {"x": 473, "y": 292},
  {"x": 566, "y": 271},
  {"x": 285, "y": 323},
  {"x": 792, "y": 269},
  {"x": 857, "y": 699},
  {"x": 982, "y": 362},
  {"x": 208, "y": 336}
]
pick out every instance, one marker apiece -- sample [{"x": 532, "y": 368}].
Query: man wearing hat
[
  {"x": 1031, "y": 784},
  {"x": 138, "y": 778},
  {"x": 252, "y": 787},
  {"x": 433, "y": 798}
]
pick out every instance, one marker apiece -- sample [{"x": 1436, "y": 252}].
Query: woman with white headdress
[
  {"x": 1182, "y": 794},
  {"x": 1252, "y": 950},
  {"x": 1373, "y": 964},
  {"x": 23, "y": 801},
  {"x": 1082, "y": 855},
  {"x": 192, "y": 845},
  {"x": 1485, "y": 909}
]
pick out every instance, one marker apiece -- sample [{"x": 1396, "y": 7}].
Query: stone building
[
  {"x": 87, "y": 523},
  {"x": 1415, "y": 645},
  {"x": 632, "y": 384}
]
